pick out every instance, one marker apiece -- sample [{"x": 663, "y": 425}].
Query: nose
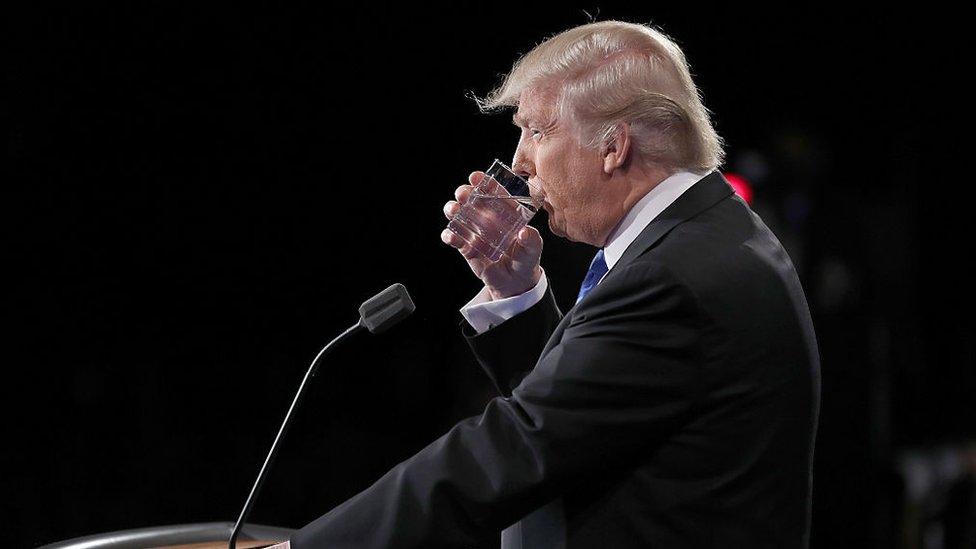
[
  {"x": 522, "y": 164},
  {"x": 522, "y": 167}
]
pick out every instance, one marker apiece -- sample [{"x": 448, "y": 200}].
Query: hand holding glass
[{"x": 495, "y": 211}]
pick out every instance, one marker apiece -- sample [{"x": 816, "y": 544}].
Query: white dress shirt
[{"x": 483, "y": 313}]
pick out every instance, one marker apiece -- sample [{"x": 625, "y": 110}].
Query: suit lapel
[{"x": 704, "y": 194}]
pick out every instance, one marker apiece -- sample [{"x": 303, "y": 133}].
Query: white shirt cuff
[{"x": 483, "y": 314}]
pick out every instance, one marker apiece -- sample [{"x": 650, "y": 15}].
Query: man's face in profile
[{"x": 566, "y": 174}]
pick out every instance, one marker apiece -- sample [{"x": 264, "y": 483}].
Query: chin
[{"x": 556, "y": 230}]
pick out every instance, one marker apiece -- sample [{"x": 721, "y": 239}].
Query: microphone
[
  {"x": 380, "y": 312},
  {"x": 377, "y": 314}
]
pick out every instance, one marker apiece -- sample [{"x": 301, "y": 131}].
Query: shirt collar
[{"x": 644, "y": 211}]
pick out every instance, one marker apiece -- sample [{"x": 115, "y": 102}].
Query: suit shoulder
[
  {"x": 727, "y": 236},
  {"x": 727, "y": 252}
]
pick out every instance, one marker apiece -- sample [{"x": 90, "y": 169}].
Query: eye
[{"x": 535, "y": 133}]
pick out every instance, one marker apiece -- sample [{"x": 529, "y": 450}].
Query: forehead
[{"x": 535, "y": 105}]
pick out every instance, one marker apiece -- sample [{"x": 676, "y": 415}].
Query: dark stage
[{"x": 201, "y": 197}]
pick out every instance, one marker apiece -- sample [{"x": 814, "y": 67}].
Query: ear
[{"x": 617, "y": 149}]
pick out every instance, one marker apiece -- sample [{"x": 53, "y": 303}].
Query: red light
[{"x": 740, "y": 186}]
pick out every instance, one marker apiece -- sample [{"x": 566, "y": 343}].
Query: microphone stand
[{"x": 281, "y": 433}]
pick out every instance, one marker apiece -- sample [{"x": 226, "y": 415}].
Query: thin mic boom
[
  {"x": 281, "y": 433},
  {"x": 377, "y": 314}
]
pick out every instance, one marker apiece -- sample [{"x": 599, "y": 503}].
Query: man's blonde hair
[{"x": 613, "y": 72}]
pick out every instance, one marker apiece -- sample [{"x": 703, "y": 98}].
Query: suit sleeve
[
  {"x": 509, "y": 351},
  {"x": 623, "y": 376}
]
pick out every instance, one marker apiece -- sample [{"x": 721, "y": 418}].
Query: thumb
[{"x": 527, "y": 249}]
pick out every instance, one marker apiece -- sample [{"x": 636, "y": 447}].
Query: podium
[{"x": 206, "y": 535}]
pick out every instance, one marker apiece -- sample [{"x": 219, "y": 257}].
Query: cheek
[
  {"x": 562, "y": 167},
  {"x": 551, "y": 169}
]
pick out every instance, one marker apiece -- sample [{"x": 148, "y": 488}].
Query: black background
[{"x": 200, "y": 197}]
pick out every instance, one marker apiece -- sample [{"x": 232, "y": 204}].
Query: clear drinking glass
[{"x": 495, "y": 212}]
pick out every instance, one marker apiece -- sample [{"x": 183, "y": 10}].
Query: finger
[
  {"x": 469, "y": 252},
  {"x": 450, "y": 238},
  {"x": 451, "y": 209},
  {"x": 475, "y": 178},
  {"x": 484, "y": 183},
  {"x": 462, "y": 193}
]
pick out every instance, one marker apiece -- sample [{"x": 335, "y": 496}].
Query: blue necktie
[{"x": 598, "y": 268}]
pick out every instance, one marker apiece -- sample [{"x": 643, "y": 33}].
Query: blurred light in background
[{"x": 741, "y": 186}]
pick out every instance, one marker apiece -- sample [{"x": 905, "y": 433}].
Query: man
[{"x": 675, "y": 405}]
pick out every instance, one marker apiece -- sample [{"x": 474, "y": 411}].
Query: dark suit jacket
[{"x": 674, "y": 406}]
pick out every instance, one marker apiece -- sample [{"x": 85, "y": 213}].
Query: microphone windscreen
[{"x": 380, "y": 312}]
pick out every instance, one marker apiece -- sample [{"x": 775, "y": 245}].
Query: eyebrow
[{"x": 527, "y": 120}]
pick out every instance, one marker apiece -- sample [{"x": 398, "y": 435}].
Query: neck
[{"x": 634, "y": 184}]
